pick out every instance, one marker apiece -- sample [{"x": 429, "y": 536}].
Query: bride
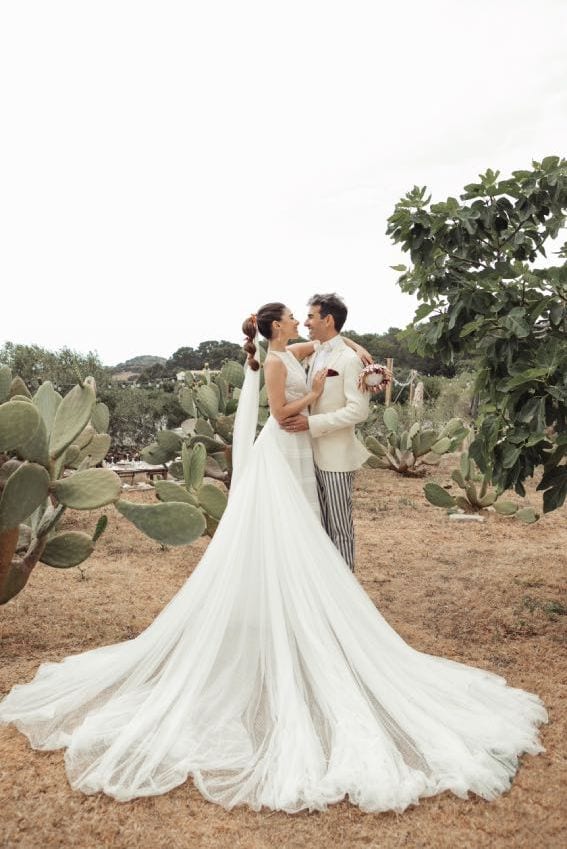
[{"x": 270, "y": 677}]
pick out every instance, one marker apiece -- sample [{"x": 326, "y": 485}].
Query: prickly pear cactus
[
  {"x": 37, "y": 434},
  {"x": 40, "y": 438},
  {"x": 211, "y": 408},
  {"x": 477, "y": 494},
  {"x": 210, "y": 501},
  {"x": 408, "y": 452},
  {"x": 205, "y": 447}
]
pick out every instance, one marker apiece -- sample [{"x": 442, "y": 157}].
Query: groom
[{"x": 332, "y": 418}]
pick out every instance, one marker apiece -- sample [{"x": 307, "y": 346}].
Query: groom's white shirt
[
  {"x": 322, "y": 355},
  {"x": 338, "y": 409}
]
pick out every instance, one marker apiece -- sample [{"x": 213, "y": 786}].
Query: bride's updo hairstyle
[{"x": 262, "y": 320}]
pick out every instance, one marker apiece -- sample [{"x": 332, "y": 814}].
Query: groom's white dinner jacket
[{"x": 341, "y": 406}]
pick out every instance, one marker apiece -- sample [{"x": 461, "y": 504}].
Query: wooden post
[
  {"x": 388, "y": 395},
  {"x": 413, "y": 375}
]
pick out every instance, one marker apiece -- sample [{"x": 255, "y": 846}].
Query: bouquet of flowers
[{"x": 374, "y": 378}]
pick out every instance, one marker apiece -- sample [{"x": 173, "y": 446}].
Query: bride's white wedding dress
[{"x": 272, "y": 679}]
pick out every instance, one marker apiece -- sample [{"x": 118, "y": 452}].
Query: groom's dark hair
[{"x": 330, "y": 304}]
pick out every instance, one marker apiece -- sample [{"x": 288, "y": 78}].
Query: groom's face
[{"x": 319, "y": 328}]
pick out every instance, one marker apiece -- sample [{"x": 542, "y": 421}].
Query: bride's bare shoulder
[{"x": 273, "y": 362}]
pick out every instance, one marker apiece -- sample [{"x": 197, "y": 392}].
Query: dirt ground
[{"x": 491, "y": 595}]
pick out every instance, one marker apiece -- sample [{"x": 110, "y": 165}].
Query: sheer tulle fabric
[{"x": 272, "y": 679}]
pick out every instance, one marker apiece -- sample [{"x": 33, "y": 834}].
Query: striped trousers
[{"x": 335, "y": 500}]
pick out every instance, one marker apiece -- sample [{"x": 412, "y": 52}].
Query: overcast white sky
[{"x": 167, "y": 167}]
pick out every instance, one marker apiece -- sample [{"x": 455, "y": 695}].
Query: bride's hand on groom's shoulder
[{"x": 365, "y": 356}]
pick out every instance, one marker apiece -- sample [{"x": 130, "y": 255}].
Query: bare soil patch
[{"x": 489, "y": 595}]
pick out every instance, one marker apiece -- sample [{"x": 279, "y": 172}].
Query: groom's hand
[{"x": 294, "y": 424}]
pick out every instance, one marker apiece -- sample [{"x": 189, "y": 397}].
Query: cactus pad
[
  {"x": 67, "y": 549},
  {"x": 19, "y": 421},
  {"x": 73, "y": 414},
  {"x": 47, "y": 400},
  {"x": 212, "y": 500},
  {"x": 170, "y": 523},
  {"x": 23, "y": 492},
  {"x": 88, "y": 489},
  {"x": 438, "y": 496}
]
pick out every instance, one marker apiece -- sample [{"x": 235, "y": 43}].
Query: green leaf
[
  {"x": 170, "y": 491},
  {"x": 47, "y": 400},
  {"x": 527, "y": 515},
  {"x": 510, "y": 454},
  {"x": 531, "y": 374},
  {"x": 516, "y": 324},
  {"x": 155, "y": 455},
  {"x": 207, "y": 402},
  {"x": 5, "y": 383},
  {"x": 187, "y": 401},
  {"x": 554, "y": 482},
  {"x": 457, "y": 476},
  {"x": 19, "y": 422},
  {"x": 36, "y": 449},
  {"x": 471, "y": 327},
  {"x": 233, "y": 373},
  {"x": 100, "y": 418},
  {"x": 376, "y": 447},
  {"x": 197, "y": 465},
  {"x": 441, "y": 446},
  {"x": 169, "y": 441},
  {"x": 204, "y": 428},
  {"x": 423, "y": 311},
  {"x": 505, "y": 508},
  {"x": 88, "y": 489},
  {"x": 186, "y": 454},
  {"x": 212, "y": 500},
  {"x": 100, "y": 528},
  {"x": 171, "y": 523},
  {"x": 24, "y": 491},
  {"x": 438, "y": 496},
  {"x": 73, "y": 414},
  {"x": 67, "y": 549},
  {"x": 532, "y": 408},
  {"x": 391, "y": 419}
]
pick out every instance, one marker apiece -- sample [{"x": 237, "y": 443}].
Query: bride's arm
[
  {"x": 361, "y": 352},
  {"x": 300, "y": 350},
  {"x": 275, "y": 374}
]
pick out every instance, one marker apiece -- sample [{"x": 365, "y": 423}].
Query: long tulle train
[{"x": 272, "y": 679}]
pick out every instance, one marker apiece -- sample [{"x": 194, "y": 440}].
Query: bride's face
[{"x": 288, "y": 326}]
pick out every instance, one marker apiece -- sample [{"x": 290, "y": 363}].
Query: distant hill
[{"x": 138, "y": 364}]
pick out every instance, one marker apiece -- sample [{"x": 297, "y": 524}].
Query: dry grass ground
[{"x": 485, "y": 594}]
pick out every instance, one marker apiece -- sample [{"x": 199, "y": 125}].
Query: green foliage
[
  {"x": 477, "y": 269},
  {"x": 37, "y": 436},
  {"x": 212, "y": 353},
  {"x": 407, "y": 452},
  {"x": 35, "y": 365},
  {"x": 172, "y": 523},
  {"x": 477, "y": 494},
  {"x": 392, "y": 343},
  {"x": 67, "y": 549},
  {"x": 137, "y": 413},
  {"x": 42, "y": 436},
  {"x": 205, "y": 450},
  {"x": 23, "y": 492}
]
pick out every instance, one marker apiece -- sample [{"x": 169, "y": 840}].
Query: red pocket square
[{"x": 332, "y": 373}]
